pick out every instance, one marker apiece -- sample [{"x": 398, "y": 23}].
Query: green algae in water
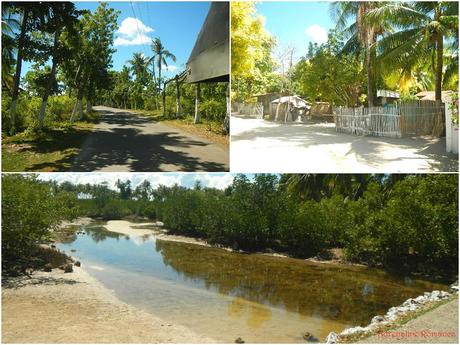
[{"x": 227, "y": 295}]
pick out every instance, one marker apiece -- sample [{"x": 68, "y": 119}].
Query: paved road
[
  {"x": 261, "y": 146},
  {"x": 122, "y": 141}
]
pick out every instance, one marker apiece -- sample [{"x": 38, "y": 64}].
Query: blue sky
[
  {"x": 176, "y": 23},
  {"x": 215, "y": 180},
  {"x": 297, "y": 23}
]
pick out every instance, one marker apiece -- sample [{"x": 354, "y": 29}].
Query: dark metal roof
[{"x": 210, "y": 60}]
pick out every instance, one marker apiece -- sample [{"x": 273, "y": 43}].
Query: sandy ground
[
  {"x": 78, "y": 221},
  {"x": 122, "y": 141},
  {"x": 73, "y": 307},
  {"x": 437, "y": 326},
  {"x": 261, "y": 146},
  {"x": 128, "y": 228}
]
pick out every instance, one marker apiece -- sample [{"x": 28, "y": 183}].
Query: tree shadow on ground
[
  {"x": 66, "y": 141},
  {"x": 24, "y": 280},
  {"x": 368, "y": 150},
  {"x": 121, "y": 140}
]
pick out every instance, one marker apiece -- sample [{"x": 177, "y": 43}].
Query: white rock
[
  {"x": 354, "y": 330},
  {"x": 332, "y": 338},
  {"x": 377, "y": 319},
  {"x": 420, "y": 299},
  {"x": 409, "y": 302},
  {"x": 444, "y": 294}
]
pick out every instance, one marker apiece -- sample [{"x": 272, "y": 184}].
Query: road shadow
[
  {"x": 133, "y": 142},
  {"x": 367, "y": 150}
]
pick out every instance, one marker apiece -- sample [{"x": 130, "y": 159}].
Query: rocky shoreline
[{"x": 393, "y": 314}]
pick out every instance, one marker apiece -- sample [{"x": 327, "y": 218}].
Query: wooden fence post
[
  {"x": 178, "y": 112},
  {"x": 197, "y": 102}
]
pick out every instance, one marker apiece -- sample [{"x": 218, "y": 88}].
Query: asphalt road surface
[{"x": 122, "y": 141}]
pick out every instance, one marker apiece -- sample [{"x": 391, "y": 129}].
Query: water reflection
[
  {"x": 347, "y": 294},
  {"x": 98, "y": 233},
  {"x": 227, "y": 295}
]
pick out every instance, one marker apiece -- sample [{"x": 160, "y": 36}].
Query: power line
[{"x": 138, "y": 29}]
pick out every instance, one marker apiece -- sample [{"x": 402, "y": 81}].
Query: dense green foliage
[
  {"x": 371, "y": 47},
  {"x": 30, "y": 210},
  {"x": 70, "y": 52},
  {"x": 380, "y": 220},
  {"x": 403, "y": 222}
]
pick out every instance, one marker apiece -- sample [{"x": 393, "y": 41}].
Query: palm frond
[{"x": 397, "y": 14}]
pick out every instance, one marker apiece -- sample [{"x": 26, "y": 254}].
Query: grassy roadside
[
  {"x": 207, "y": 129},
  {"x": 401, "y": 321},
  {"x": 50, "y": 150}
]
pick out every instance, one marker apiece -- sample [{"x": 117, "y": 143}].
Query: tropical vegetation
[
  {"x": 70, "y": 52},
  {"x": 407, "y": 223},
  {"x": 371, "y": 47}
]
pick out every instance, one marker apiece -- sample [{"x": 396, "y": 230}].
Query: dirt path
[
  {"x": 437, "y": 326},
  {"x": 122, "y": 141},
  {"x": 73, "y": 307},
  {"x": 262, "y": 146}
]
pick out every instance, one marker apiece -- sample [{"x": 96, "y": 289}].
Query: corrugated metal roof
[{"x": 210, "y": 59}]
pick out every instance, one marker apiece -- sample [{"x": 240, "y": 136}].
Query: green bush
[
  {"x": 59, "y": 108},
  {"x": 413, "y": 227},
  {"x": 115, "y": 209},
  {"x": 30, "y": 210},
  {"x": 213, "y": 110}
]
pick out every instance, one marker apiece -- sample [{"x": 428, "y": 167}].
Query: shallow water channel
[{"x": 226, "y": 295}]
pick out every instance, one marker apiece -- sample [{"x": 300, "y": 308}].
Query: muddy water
[{"x": 227, "y": 295}]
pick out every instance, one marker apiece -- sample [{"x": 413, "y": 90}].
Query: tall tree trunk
[
  {"x": 439, "y": 64},
  {"x": 17, "y": 74},
  {"x": 80, "y": 108},
  {"x": 159, "y": 73},
  {"x": 370, "y": 79},
  {"x": 178, "y": 112},
  {"x": 197, "y": 102},
  {"x": 89, "y": 96},
  {"x": 164, "y": 99},
  {"x": 49, "y": 86},
  {"x": 78, "y": 105}
]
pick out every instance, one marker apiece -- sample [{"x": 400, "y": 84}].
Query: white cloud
[
  {"x": 169, "y": 68},
  {"x": 133, "y": 32},
  {"x": 217, "y": 181},
  {"x": 316, "y": 33}
]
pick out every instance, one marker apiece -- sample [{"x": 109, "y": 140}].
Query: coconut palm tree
[
  {"x": 318, "y": 186},
  {"x": 423, "y": 29},
  {"x": 161, "y": 54},
  {"x": 139, "y": 67},
  {"x": 9, "y": 25},
  {"x": 362, "y": 35}
]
